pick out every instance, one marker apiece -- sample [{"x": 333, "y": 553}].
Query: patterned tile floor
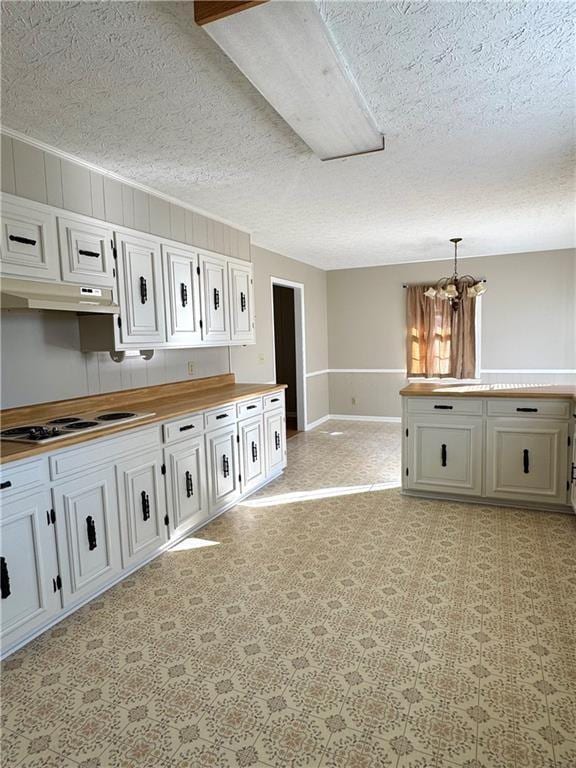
[{"x": 345, "y": 631}]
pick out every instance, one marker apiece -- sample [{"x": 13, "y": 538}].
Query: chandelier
[{"x": 453, "y": 288}]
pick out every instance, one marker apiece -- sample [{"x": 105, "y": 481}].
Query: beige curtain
[{"x": 440, "y": 343}]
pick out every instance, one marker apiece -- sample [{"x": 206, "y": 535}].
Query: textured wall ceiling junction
[{"x": 476, "y": 101}]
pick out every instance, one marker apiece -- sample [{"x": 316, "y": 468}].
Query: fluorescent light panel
[{"x": 287, "y": 53}]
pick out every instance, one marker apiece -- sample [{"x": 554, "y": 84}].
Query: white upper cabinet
[
  {"x": 29, "y": 241},
  {"x": 241, "y": 284},
  {"x": 30, "y": 584},
  {"x": 140, "y": 290},
  {"x": 181, "y": 296},
  {"x": 214, "y": 296},
  {"x": 86, "y": 251}
]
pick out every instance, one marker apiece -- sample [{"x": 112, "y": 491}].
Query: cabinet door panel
[
  {"x": 88, "y": 533},
  {"x": 573, "y": 471},
  {"x": 182, "y": 296},
  {"x": 140, "y": 291},
  {"x": 252, "y": 452},
  {"x": 241, "y": 302},
  {"x": 142, "y": 507},
  {"x": 445, "y": 454},
  {"x": 223, "y": 468},
  {"x": 29, "y": 242},
  {"x": 214, "y": 290},
  {"x": 275, "y": 438},
  {"x": 29, "y": 596},
  {"x": 85, "y": 252},
  {"x": 187, "y": 487},
  {"x": 527, "y": 459}
]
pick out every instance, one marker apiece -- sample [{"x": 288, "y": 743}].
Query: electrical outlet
[
  {"x": 353, "y": 401},
  {"x": 261, "y": 357},
  {"x": 190, "y": 368}
]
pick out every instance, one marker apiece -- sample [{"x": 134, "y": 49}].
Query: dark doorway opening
[{"x": 285, "y": 351}]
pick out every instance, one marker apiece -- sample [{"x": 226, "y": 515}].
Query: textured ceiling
[{"x": 476, "y": 100}]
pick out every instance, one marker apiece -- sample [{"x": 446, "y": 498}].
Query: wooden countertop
[
  {"x": 427, "y": 389},
  {"x": 165, "y": 401}
]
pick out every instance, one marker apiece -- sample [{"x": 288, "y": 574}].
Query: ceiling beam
[{"x": 206, "y": 11}]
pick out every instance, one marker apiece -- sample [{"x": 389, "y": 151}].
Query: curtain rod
[{"x": 405, "y": 285}]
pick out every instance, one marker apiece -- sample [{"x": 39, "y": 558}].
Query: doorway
[{"x": 288, "y": 317}]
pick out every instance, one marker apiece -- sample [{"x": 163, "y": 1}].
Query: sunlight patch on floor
[
  {"x": 192, "y": 543},
  {"x": 316, "y": 493}
]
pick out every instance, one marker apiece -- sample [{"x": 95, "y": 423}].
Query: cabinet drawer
[
  {"x": 85, "y": 251},
  {"x": 99, "y": 452},
  {"x": 21, "y": 476},
  {"x": 184, "y": 428},
  {"x": 220, "y": 417},
  {"x": 274, "y": 400},
  {"x": 529, "y": 408},
  {"x": 249, "y": 408},
  {"x": 446, "y": 405}
]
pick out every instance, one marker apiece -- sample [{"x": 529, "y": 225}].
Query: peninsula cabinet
[{"x": 502, "y": 450}]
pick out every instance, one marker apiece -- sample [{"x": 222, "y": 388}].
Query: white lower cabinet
[
  {"x": 88, "y": 533},
  {"x": 28, "y": 566},
  {"x": 275, "y": 441},
  {"x": 252, "y": 455},
  {"x": 526, "y": 459},
  {"x": 141, "y": 498},
  {"x": 186, "y": 486},
  {"x": 445, "y": 454},
  {"x": 223, "y": 467}
]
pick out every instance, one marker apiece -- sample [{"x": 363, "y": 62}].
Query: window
[{"x": 441, "y": 342}]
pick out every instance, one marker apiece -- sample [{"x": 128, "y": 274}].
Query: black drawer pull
[
  {"x": 216, "y": 298},
  {"x": 242, "y": 301},
  {"x": 6, "y": 484},
  {"x": 443, "y": 454},
  {"x": 250, "y": 407},
  {"x": 222, "y": 416},
  {"x": 189, "y": 485},
  {"x": 143, "y": 290},
  {"x": 225, "y": 466},
  {"x": 573, "y": 475},
  {"x": 186, "y": 427},
  {"x": 277, "y": 440},
  {"x": 444, "y": 407},
  {"x": 4, "y": 579},
  {"x": 254, "y": 452},
  {"x": 23, "y": 240},
  {"x": 526, "y": 460},
  {"x": 92, "y": 254},
  {"x": 275, "y": 400},
  {"x": 527, "y": 410},
  {"x": 145, "y": 506},
  {"x": 91, "y": 532},
  {"x": 183, "y": 294}
]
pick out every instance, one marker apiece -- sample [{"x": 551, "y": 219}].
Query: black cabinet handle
[
  {"x": 143, "y": 290},
  {"x": 183, "y": 294},
  {"x": 242, "y": 301},
  {"x": 277, "y": 440},
  {"x": 275, "y": 400},
  {"x": 526, "y": 460},
  {"x": 92, "y": 254},
  {"x": 222, "y": 416},
  {"x": 91, "y": 531},
  {"x": 250, "y": 407},
  {"x": 23, "y": 240},
  {"x": 443, "y": 454},
  {"x": 145, "y": 506},
  {"x": 216, "y": 298},
  {"x": 527, "y": 410},
  {"x": 444, "y": 407},
  {"x": 6, "y": 484},
  {"x": 4, "y": 579},
  {"x": 225, "y": 466},
  {"x": 189, "y": 485},
  {"x": 573, "y": 475},
  {"x": 254, "y": 452},
  {"x": 186, "y": 427}
]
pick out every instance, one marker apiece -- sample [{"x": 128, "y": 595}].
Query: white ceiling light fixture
[{"x": 286, "y": 51}]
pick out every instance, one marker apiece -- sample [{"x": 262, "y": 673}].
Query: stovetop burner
[
  {"x": 65, "y": 420},
  {"x": 81, "y": 425},
  {"x": 114, "y": 416},
  {"x": 15, "y": 431}
]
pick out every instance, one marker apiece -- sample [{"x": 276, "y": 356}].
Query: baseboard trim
[{"x": 352, "y": 417}]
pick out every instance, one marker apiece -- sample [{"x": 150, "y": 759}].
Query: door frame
[{"x": 300, "y": 341}]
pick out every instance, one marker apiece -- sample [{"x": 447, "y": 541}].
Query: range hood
[{"x": 29, "y": 294}]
